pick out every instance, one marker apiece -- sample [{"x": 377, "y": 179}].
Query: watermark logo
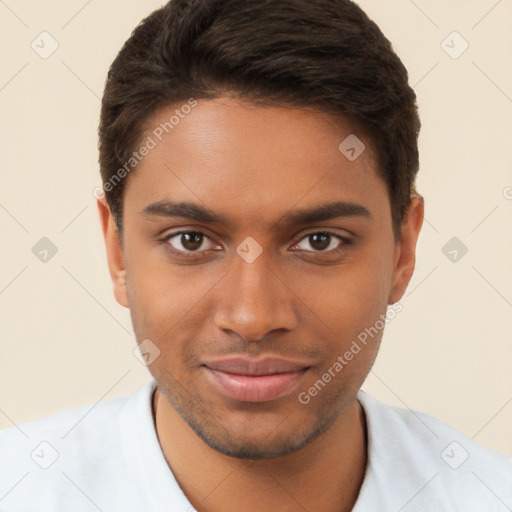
[
  {"x": 146, "y": 352},
  {"x": 454, "y": 45},
  {"x": 352, "y": 147},
  {"x": 454, "y": 250},
  {"x": 45, "y": 45},
  {"x": 44, "y": 250},
  {"x": 455, "y": 455},
  {"x": 44, "y": 455},
  {"x": 249, "y": 250}
]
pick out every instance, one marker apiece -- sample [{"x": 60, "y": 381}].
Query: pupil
[
  {"x": 320, "y": 241},
  {"x": 191, "y": 241}
]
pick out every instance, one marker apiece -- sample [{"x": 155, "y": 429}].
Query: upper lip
[{"x": 255, "y": 367}]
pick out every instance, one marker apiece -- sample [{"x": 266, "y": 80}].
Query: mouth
[{"x": 255, "y": 380}]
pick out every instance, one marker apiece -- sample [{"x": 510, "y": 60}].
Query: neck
[{"x": 324, "y": 475}]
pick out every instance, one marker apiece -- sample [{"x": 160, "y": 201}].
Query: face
[{"x": 255, "y": 254}]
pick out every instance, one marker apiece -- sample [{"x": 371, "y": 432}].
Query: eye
[
  {"x": 322, "y": 242},
  {"x": 190, "y": 241}
]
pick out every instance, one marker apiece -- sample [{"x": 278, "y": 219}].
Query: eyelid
[
  {"x": 187, "y": 256},
  {"x": 169, "y": 236},
  {"x": 169, "y": 233},
  {"x": 345, "y": 240}
]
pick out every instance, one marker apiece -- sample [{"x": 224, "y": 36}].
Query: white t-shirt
[{"x": 107, "y": 457}]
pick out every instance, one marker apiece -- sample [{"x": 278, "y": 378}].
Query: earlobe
[
  {"x": 115, "y": 254},
  {"x": 405, "y": 252}
]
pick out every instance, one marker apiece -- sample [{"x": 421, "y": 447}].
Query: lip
[{"x": 250, "y": 380}]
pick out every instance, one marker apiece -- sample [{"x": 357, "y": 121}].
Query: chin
[{"x": 240, "y": 444}]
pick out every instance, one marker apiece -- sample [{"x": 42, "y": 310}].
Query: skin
[{"x": 298, "y": 300}]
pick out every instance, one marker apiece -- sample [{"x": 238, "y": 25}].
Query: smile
[{"x": 255, "y": 381}]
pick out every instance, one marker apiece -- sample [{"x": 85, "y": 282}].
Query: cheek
[
  {"x": 349, "y": 308},
  {"x": 172, "y": 304},
  {"x": 346, "y": 297},
  {"x": 166, "y": 301},
  {"x": 165, "y": 310}
]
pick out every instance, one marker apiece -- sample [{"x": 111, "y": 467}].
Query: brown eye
[
  {"x": 190, "y": 241},
  {"x": 320, "y": 242}
]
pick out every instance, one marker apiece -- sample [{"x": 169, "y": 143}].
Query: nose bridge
[{"x": 253, "y": 300}]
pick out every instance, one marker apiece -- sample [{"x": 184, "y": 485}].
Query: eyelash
[
  {"x": 183, "y": 254},
  {"x": 343, "y": 247}
]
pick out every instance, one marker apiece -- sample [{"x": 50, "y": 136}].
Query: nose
[{"x": 254, "y": 300}]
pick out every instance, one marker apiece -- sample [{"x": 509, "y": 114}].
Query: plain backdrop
[{"x": 65, "y": 342}]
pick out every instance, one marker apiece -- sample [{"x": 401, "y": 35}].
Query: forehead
[{"x": 242, "y": 159}]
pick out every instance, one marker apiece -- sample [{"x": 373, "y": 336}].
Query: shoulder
[
  {"x": 437, "y": 466},
  {"x": 78, "y": 424},
  {"x": 42, "y": 460}
]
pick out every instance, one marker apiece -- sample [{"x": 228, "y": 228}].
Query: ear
[
  {"x": 405, "y": 251},
  {"x": 115, "y": 254}
]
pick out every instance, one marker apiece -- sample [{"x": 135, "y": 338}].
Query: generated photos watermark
[
  {"x": 150, "y": 143},
  {"x": 355, "y": 348}
]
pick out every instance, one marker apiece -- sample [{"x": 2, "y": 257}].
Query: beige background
[{"x": 65, "y": 342}]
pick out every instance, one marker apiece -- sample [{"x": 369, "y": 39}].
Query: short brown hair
[{"x": 325, "y": 54}]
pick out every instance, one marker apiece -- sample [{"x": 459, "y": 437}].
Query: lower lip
[{"x": 261, "y": 388}]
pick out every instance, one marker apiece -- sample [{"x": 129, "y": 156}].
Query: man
[{"x": 258, "y": 160}]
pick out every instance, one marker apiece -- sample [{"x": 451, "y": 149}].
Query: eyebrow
[{"x": 320, "y": 213}]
